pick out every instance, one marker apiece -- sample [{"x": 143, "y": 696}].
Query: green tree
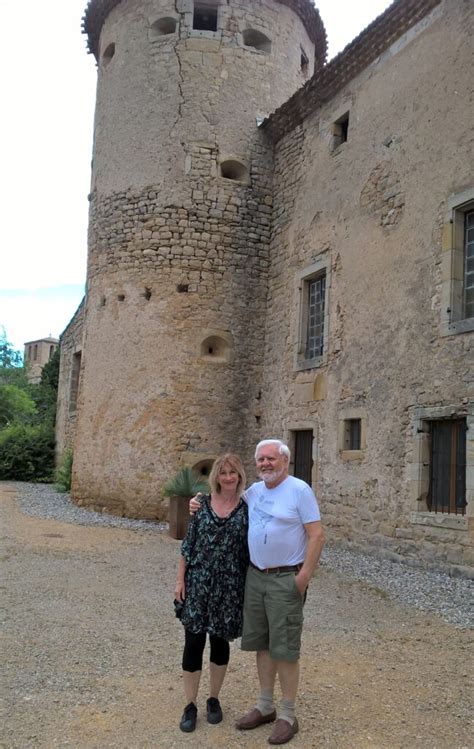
[
  {"x": 16, "y": 406},
  {"x": 9, "y": 357},
  {"x": 45, "y": 393},
  {"x": 27, "y": 417}
]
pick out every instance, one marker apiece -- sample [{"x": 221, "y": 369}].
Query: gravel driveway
[{"x": 92, "y": 651}]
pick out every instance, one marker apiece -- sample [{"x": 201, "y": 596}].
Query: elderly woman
[{"x": 210, "y": 584}]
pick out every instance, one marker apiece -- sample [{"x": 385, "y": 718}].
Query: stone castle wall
[
  {"x": 371, "y": 211},
  {"x": 71, "y": 343},
  {"x": 178, "y": 249},
  {"x": 197, "y": 278}
]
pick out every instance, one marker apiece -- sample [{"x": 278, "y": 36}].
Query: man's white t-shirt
[{"x": 277, "y": 537}]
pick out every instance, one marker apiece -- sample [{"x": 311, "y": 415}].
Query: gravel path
[
  {"x": 92, "y": 650},
  {"x": 451, "y": 598}
]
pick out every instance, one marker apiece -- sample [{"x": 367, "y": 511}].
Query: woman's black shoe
[
  {"x": 188, "y": 719},
  {"x": 214, "y": 712}
]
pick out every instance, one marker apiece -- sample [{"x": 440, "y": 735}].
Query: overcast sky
[{"x": 48, "y": 94}]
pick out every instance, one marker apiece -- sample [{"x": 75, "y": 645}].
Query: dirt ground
[{"x": 91, "y": 653}]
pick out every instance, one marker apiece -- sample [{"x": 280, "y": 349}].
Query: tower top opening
[{"x": 97, "y": 11}]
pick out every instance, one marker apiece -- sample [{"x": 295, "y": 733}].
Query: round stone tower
[{"x": 180, "y": 222}]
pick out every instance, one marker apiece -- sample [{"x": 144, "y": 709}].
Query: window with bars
[
  {"x": 352, "y": 434},
  {"x": 457, "y": 312},
  {"x": 469, "y": 264},
  {"x": 316, "y": 291},
  {"x": 312, "y": 299},
  {"x": 447, "y": 484}
]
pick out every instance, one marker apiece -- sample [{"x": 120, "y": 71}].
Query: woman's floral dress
[{"x": 216, "y": 554}]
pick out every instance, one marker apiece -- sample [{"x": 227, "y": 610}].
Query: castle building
[
  {"x": 36, "y": 354},
  {"x": 281, "y": 246}
]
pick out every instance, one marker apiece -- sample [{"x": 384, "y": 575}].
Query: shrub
[
  {"x": 26, "y": 452},
  {"x": 64, "y": 472},
  {"x": 15, "y": 406},
  {"x": 185, "y": 484}
]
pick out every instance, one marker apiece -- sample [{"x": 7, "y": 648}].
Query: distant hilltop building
[
  {"x": 36, "y": 355},
  {"x": 280, "y": 246}
]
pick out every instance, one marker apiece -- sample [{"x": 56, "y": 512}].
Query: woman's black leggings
[{"x": 194, "y": 648}]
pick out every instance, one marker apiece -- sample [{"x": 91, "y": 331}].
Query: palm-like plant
[{"x": 185, "y": 484}]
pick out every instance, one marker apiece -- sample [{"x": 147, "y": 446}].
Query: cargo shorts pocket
[{"x": 294, "y": 626}]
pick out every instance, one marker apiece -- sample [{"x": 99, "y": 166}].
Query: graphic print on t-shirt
[{"x": 261, "y": 514}]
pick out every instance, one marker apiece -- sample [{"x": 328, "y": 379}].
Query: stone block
[
  {"x": 447, "y": 237},
  {"x": 320, "y": 387}
]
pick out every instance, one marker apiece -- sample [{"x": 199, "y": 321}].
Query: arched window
[
  {"x": 233, "y": 169},
  {"x": 203, "y": 468},
  {"x": 257, "y": 40},
  {"x": 108, "y": 54},
  {"x": 164, "y": 26},
  {"x": 215, "y": 348}
]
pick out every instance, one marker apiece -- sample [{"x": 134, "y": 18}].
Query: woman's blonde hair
[{"x": 232, "y": 461}]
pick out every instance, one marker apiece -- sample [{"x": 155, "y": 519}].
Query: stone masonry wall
[
  {"x": 178, "y": 251},
  {"x": 372, "y": 209},
  {"x": 71, "y": 342}
]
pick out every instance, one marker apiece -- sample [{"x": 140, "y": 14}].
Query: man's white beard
[{"x": 270, "y": 476}]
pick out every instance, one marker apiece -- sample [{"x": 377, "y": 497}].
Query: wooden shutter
[{"x": 304, "y": 454}]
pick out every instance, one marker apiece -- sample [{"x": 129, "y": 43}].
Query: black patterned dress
[{"x": 216, "y": 554}]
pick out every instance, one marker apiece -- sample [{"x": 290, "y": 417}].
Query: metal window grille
[
  {"x": 447, "y": 491},
  {"x": 469, "y": 264},
  {"x": 353, "y": 433},
  {"x": 315, "y": 335}
]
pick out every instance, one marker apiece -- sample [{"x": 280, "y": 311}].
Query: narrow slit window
[
  {"x": 304, "y": 62},
  {"x": 108, "y": 54},
  {"x": 74, "y": 386},
  {"x": 340, "y": 131}
]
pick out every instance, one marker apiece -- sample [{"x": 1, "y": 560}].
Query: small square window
[
  {"x": 352, "y": 434},
  {"x": 340, "y": 131},
  {"x": 205, "y": 17}
]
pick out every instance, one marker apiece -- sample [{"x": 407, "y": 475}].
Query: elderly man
[{"x": 285, "y": 542}]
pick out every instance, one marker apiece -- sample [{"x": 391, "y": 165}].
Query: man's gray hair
[{"x": 283, "y": 448}]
